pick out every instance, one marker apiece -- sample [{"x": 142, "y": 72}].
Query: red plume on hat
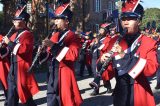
[
  {"x": 89, "y": 32},
  {"x": 132, "y": 8},
  {"x": 105, "y": 25},
  {"x": 130, "y": 5},
  {"x": 20, "y": 10},
  {"x": 21, "y": 14},
  {"x": 63, "y": 11}
]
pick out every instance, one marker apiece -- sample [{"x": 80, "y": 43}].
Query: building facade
[
  {"x": 88, "y": 14},
  {"x": 93, "y": 13}
]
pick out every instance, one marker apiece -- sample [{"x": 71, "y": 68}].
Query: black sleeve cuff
[
  {"x": 3, "y": 51},
  {"x": 11, "y": 45},
  {"x": 55, "y": 49}
]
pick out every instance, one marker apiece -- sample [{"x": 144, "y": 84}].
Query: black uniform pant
[
  {"x": 53, "y": 98},
  {"x": 5, "y": 94},
  {"x": 123, "y": 94},
  {"x": 13, "y": 98},
  {"x": 82, "y": 67}
]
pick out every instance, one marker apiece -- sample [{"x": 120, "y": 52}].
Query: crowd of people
[{"x": 130, "y": 56}]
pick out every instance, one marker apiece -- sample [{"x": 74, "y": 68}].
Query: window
[
  {"x": 111, "y": 5},
  {"x": 97, "y": 5}
]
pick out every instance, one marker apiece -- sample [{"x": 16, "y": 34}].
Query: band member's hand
[
  {"x": 6, "y": 40},
  {"x": 96, "y": 41},
  {"x": 104, "y": 57},
  {"x": 91, "y": 44},
  {"x": 47, "y": 42},
  {"x": 118, "y": 49}
]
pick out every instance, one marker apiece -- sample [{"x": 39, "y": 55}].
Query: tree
[
  {"x": 151, "y": 14},
  {"x": 1, "y": 19}
]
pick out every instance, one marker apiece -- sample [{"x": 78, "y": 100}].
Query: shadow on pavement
[
  {"x": 1, "y": 94},
  {"x": 42, "y": 87},
  {"x": 2, "y": 100},
  {"x": 86, "y": 89},
  {"x": 78, "y": 78},
  {"x": 157, "y": 97},
  {"x": 98, "y": 101},
  {"x": 41, "y": 101}
]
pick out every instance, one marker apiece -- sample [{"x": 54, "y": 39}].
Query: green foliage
[{"x": 150, "y": 15}]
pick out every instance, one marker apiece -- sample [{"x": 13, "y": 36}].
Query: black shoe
[
  {"x": 95, "y": 92},
  {"x": 93, "y": 85},
  {"x": 109, "y": 90},
  {"x": 157, "y": 87},
  {"x": 81, "y": 75},
  {"x": 90, "y": 75}
]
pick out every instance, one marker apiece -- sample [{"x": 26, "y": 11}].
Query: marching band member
[
  {"x": 133, "y": 60},
  {"x": 85, "y": 56},
  {"x": 62, "y": 88},
  {"x": 104, "y": 42},
  {"x": 21, "y": 84},
  {"x": 4, "y": 68}
]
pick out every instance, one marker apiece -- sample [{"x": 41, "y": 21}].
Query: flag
[
  {"x": 50, "y": 8},
  {"x": 50, "y": 12}
]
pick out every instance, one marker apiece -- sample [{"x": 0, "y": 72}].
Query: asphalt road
[{"x": 103, "y": 99}]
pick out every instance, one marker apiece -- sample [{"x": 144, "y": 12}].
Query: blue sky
[
  {"x": 1, "y": 7},
  {"x": 146, "y": 4},
  {"x": 151, "y": 3}
]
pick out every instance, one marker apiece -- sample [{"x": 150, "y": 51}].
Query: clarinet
[
  {"x": 105, "y": 64},
  {"x": 40, "y": 51},
  {"x": 96, "y": 80},
  {"x": 12, "y": 28},
  {"x": 8, "y": 35}
]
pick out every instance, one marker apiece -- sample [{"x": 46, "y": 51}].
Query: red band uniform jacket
[
  {"x": 4, "y": 64},
  {"x": 135, "y": 65},
  {"x": 68, "y": 88},
  {"x": 21, "y": 52}
]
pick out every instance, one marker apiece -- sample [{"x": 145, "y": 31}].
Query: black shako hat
[
  {"x": 63, "y": 12},
  {"x": 22, "y": 16},
  {"x": 132, "y": 9}
]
